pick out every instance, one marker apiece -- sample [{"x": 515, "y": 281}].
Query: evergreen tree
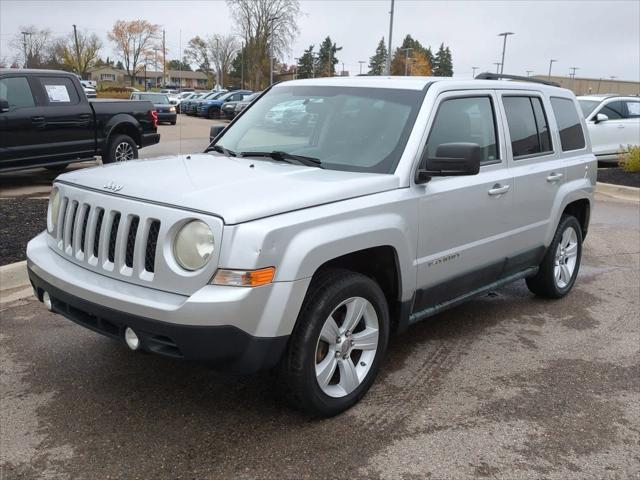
[
  {"x": 417, "y": 53},
  {"x": 327, "y": 59},
  {"x": 119, "y": 65},
  {"x": 306, "y": 64},
  {"x": 378, "y": 61},
  {"x": 443, "y": 65}
]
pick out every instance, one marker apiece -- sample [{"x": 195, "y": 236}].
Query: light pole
[
  {"x": 612, "y": 78},
  {"x": 388, "y": 66},
  {"x": 551, "y": 62},
  {"x": 361, "y": 62},
  {"x": 24, "y": 46},
  {"x": 529, "y": 72},
  {"x": 497, "y": 64},
  {"x": 573, "y": 77},
  {"x": 273, "y": 20},
  {"x": 406, "y": 60},
  {"x": 295, "y": 71},
  {"x": 473, "y": 73},
  {"x": 504, "y": 46}
]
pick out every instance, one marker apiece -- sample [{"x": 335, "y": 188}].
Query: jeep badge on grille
[{"x": 112, "y": 187}]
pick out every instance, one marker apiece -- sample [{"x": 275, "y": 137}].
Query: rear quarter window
[{"x": 569, "y": 126}]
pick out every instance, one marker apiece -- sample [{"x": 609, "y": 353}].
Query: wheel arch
[{"x": 122, "y": 124}]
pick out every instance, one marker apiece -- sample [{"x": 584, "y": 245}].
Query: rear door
[
  {"x": 464, "y": 222},
  {"x": 19, "y": 142},
  {"x": 67, "y": 126},
  {"x": 538, "y": 171}
]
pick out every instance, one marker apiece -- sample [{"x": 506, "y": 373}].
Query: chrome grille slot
[
  {"x": 131, "y": 241},
  {"x": 67, "y": 232},
  {"x": 152, "y": 243},
  {"x": 113, "y": 232},
  {"x": 96, "y": 233},
  {"x": 83, "y": 234}
]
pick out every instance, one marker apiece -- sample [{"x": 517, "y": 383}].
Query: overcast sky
[{"x": 602, "y": 38}]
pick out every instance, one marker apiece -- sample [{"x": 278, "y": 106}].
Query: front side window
[
  {"x": 613, "y": 110},
  {"x": 17, "y": 92},
  {"x": 346, "y": 128},
  {"x": 59, "y": 91},
  {"x": 569, "y": 126},
  {"x": 465, "y": 120},
  {"x": 528, "y": 126},
  {"x": 588, "y": 106}
]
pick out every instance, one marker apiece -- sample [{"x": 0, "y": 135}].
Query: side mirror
[
  {"x": 215, "y": 131},
  {"x": 4, "y": 105},
  {"x": 600, "y": 117},
  {"x": 451, "y": 159}
]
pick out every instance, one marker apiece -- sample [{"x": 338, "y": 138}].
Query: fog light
[
  {"x": 133, "y": 342},
  {"x": 46, "y": 299}
]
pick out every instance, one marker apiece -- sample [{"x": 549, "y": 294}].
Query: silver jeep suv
[{"x": 370, "y": 204}]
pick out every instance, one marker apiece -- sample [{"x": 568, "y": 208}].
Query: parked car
[
  {"x": 165, "y": 109},
  {"x": 187, "y": 96},
  {"x": 212, "y": 107},
  {"x": 47, "y": 121},
  {"x": 409, "y": 196},
  {"x": 244, "y": 103},
  {"x": 613, "y": 122},
  {"x": 89, "y": 83},
  {"x": 190, "y": 106},
  {"x": 89, "y": 88}
]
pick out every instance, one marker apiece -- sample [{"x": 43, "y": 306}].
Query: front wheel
[
  {"x": 559, "y": 268},
  {"x": 338, "y": 343},
  {"x": 214, "y": 113},
  {"x": 121, "y": 149}
]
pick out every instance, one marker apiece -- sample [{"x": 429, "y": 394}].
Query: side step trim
[{"x": 430, "y": 311}]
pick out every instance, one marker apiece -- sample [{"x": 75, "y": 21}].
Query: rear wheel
[
  {"x": 121, "y": 149},
  {"x": 339, "y": 341},
  {"x": 559, "y": 268}
]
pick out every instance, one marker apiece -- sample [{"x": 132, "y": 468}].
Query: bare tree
[
  {"x": 222, "y": 49},
  {"x": 264, "y": 25},
  {"x": 197, "y": 52},
  {"x": 134, "y": 43},
  {"x": 33, "y": 44},
  {"x": 81, "y": 57}
]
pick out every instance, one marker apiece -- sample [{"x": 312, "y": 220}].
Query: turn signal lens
[{"x": 244, "y": 278}]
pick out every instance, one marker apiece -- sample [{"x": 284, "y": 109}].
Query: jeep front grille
[{"x": 108, "y": 239}]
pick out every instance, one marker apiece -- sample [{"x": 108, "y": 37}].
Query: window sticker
[
  {"x": 634, "y": 108},
  {"x": 57, "y": 93}
]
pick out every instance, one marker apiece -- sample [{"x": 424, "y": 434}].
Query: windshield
[
  {"x": 588, "y": 106},
  {"x": 153, "y": 97},
  {"x": 346, "y": 128}
]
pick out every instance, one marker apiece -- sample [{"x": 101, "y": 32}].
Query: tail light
[{"x": 154, "y": 117}]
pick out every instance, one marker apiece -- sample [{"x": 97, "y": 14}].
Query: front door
[{"x": 464, "y": 222}]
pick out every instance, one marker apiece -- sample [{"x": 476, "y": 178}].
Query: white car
[{"x": 613, "y": 123}]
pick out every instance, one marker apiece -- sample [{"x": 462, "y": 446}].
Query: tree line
[{"x": 265, "y": 30}]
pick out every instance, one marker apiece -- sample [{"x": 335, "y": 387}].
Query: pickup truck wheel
[
  {"x": 338, "y": 343},
  {"x": 559, "y": 268},
  {"x": 121, "y": 148}
]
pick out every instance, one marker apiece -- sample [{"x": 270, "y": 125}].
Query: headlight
[
  {"x": 172, "y": 109},
  {"x": 53, "y": 210},
  {"x": 193, "y": 245}
]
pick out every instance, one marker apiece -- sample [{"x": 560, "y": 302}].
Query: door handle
[
  {"x": 554, "y": 177},
  {"x": 620, "y": 126},
  {"x": 37, "y": 119},
  {"x": 498, "y": 189},
  {"x": 85, "y": 116}
]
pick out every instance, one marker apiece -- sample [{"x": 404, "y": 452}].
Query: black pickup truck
[{"x": 47, "y": 121}]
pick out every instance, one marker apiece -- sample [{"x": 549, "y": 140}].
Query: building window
[{"x": 107, "y": 77}]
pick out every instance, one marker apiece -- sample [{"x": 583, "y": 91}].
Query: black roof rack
[{"x": 498, "y": 76}]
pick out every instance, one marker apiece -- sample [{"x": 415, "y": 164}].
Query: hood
[{"x": 230, "y": 188}]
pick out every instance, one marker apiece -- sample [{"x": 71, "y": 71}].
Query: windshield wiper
[
  {"x": 222, "y": 150},
  {"x": 286, "y": 157}
]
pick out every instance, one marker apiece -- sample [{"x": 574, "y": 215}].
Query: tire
[
  {"x": 310, "y": 359},
  {"x": 57, "y": 169},
  {"x": 213, "y": 113},
  {"x": 173, "y": 123},
  {"x": 559, "y": 268},
  {"x": 121, "y": 148}
]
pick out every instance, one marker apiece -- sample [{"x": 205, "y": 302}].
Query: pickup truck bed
[{"x": 46, "y": 120}]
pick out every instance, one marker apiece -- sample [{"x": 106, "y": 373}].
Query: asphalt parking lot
[
  {"x": 507, "y": 386},
  {"x": 190, "y": 134}
]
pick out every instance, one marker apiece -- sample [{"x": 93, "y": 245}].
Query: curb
[
  {"x": 14, "y": 282},
  {"x": 619, "y": 191}
]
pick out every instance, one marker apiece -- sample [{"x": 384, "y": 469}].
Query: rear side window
[
  {"x": 469, "y": 120},
  {"x": 528, "y": 126},
  {"x": 633, "y": 108},
  {"x": 571, "y": 134},
  {"x": 17, "y": 92},
  {"x": 59, "y": 91}
]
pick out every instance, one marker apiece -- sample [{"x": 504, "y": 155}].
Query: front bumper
[{"x": 240, "y": 329}]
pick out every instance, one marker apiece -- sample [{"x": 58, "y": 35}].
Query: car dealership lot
[{"x": 506, "y": 386}]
